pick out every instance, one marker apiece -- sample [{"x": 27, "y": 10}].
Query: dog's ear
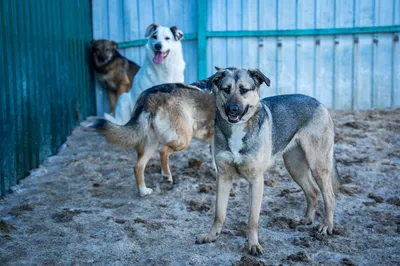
[
  {"x": 214, "y": 79},
  {"x": 259, "y": 77},
  {"x": 150, "y": 29},
  {"x": 217, "y": 68},
  {"x": 178, "y": 34},
  {"x": 114, "y": 45}
]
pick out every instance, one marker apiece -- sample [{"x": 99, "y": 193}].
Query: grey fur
[
  {"x": 247, "y": 142},
  {"x": 289, "y": 113}
]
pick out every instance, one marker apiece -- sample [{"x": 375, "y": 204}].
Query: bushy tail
[{"x": 124, "y": 136}]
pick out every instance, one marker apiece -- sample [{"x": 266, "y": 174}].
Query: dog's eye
[
  {"x": 154, "y": 37},
  {"x": 226, "y": 89},
  {"x": 242, "y": 89},
  {"x": 167, "y": 38}
]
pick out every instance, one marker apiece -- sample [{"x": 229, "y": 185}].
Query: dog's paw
[
  {"x": 206, "y": 238},
  {"x": 145, "y": 191},
  {"x": 256, "y": 250},
  {"x": 325, "y": 229},
  {"x": 306, "y": 221},
  {"x": 168, "y": 178}
]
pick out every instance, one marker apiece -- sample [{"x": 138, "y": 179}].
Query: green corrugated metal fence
[{"x": 46, "y": 85}]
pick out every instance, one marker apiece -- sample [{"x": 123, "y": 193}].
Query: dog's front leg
[
  {"x": 112, "y": 100},
  {"x": 256, "y": 190},
  {"x": 224, "y": 185}
]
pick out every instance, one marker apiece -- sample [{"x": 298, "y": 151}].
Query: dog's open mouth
[
  {"x": 159, "y": 57},
  {"x": 236, "y": 119}
]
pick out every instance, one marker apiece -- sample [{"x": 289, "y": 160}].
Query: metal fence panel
[
  {"x": 322, "y": 48},
  {"x": 46, "y": 83}
]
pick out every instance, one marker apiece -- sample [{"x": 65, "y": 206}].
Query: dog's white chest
[{"x": 235, "y": 142}]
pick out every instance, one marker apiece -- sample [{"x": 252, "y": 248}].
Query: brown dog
[{"x": 115, "y": 72}]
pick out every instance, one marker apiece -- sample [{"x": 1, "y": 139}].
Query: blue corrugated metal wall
[
  {"x": 344, "y": 71},
  {"x": 46, "y": 85}
]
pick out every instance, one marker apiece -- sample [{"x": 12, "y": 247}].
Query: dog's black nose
[
  {"x": 157, "y": 46},
  {"x": 232, "y": 109}
]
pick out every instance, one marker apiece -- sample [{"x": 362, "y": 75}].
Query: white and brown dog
[{"x": 163, "y": 64}]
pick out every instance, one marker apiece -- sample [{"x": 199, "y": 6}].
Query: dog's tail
[{"x": 124, "y": 136}]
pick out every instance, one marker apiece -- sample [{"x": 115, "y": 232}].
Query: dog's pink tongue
[{"x": 158, "y": 58}]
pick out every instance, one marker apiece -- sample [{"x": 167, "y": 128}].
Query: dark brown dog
[{"x": 115, "y": 72}]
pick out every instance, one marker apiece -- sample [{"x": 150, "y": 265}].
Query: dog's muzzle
[
  {"x": 233, "y": 113},
  {"x": 102, "y": 59}
]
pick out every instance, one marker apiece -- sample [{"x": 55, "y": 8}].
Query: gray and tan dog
[{"x": 249, "y": 134}]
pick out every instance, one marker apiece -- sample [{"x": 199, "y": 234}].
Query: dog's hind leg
[
  {"x": 297, "y": 166},
  {"x": 145, "y": 150},
  {"x": 177, "y": 145},
  {"x": 175, "y": 133},
  {"x": 164, "y": 157},
  {"x": 319, "y": 154}
]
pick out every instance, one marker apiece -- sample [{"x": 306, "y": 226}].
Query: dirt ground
[{"x": 82, "y": 207}]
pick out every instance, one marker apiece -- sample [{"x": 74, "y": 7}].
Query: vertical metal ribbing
[
  {"x": 258, "y": 28},
  {"x": 242, "y": 41},
  {"x": 393, "y": 73},
  {"x": 38, "y": 87},
  {"x": 30, "y": 120},
  {"x": 315, "y": 52},
  {"x": 16, "y": 67},
  {"x": 353, "y": 59},
  {"x": 296, "y": 67},
  {"x": 278, "y": 49},
  {"x": 226, "y": 39},
  {"x": 54, "y": 90},
  {"x": 334, "y": 60},
  {"x": 202, "y": 39},
  {"x": 373, "y": 60},
  {"x": 4, "y": 168}
]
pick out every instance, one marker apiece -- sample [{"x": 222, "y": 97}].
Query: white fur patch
[
  {"x": 235, "y": 142},
  {"x": 143, "y": 191},
  {"x": 162, "y": 125}
]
